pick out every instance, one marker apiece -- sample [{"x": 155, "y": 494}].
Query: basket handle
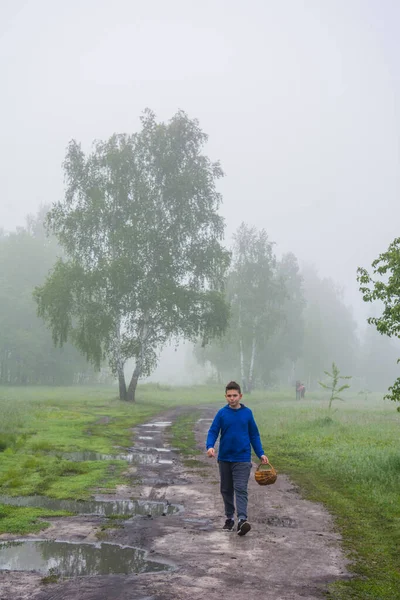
[{"x": 268, "y": 464}]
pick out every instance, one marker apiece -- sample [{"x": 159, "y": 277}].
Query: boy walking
[{"x": 238, "y": 429}]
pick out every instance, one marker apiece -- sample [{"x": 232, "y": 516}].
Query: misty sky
[{"x": 299, "y": 97}]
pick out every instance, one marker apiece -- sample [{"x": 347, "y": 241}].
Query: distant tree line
[
  {"x": 287, "y": 325},
  {"x": 133, "y": 256},
  {"x": 27, "y": 352}
]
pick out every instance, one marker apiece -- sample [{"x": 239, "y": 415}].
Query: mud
[{"x": 291, "y": 553}]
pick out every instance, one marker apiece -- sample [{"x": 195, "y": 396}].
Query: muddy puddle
[
  {"x": 93, "y": 456},
  {"x": 102, "y": 508},
  {"x": 68, "y": 559},
  {"x": 150, "y": 449},
  {"x": 141, "y": 458},
  {"x": 136, "y": 456}
]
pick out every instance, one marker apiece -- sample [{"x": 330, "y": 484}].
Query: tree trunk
[
  {"x": 139, "y": 363},
  {"x": 119, "y": 362},
  {"x": 122, "y": 384},
  {"x": 241, "y": 359},
  {"x": 242, "y": 375},
  {"x": 133, "y": 383},
  {"x": 292, "y": 374},
  {"x": 251, "y": 370}
]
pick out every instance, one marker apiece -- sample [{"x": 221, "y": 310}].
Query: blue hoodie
[{"x": 238, "y": 430}]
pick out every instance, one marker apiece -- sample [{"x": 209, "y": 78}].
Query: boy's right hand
[{"x": 211, "y": 453}]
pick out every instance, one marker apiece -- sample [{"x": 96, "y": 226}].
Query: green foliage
[
  {"x": 386, "y": 290},
  {"x": 285, "y": 324},
  {"x": 259, "y": 298},
  {"x": 256, "y": 296},
  {"x": 334, "y": 387},
  {"x": 378, "y": 360},
  {"x": 281, "y": 351},
  {"x": 142, "y": 236},
  {"x": 290, "y": 337},
  {"x": 27, "y": 354},
  {"x": 329, "y": 328}
]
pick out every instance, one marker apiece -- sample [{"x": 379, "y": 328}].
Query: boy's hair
[{"x": 232, "y": 385}]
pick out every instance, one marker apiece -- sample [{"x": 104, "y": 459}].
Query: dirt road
[{"x": 291, "y": 553}]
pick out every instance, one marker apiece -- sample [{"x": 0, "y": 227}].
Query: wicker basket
[{"x": 265, "y": 474}]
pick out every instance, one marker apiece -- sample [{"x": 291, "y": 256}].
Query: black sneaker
[
  {"x": 243, "y": 527},
  {"x": 229, "y": 525}
]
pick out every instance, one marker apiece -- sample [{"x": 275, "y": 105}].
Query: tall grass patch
[{"x": 349, "y": 459}]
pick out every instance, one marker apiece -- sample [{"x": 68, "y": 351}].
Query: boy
[{"x": 238, "y": 429}]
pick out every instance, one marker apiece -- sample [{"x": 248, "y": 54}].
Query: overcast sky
[{"x": 300, "y": 99}]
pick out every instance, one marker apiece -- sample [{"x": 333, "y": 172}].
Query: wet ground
[
  {"x": 97, "y": 506},
  {"x": 174, "y": 548},
  {"x": 75, "y": 559}
]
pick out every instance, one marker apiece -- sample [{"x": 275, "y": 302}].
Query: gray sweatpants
[{"x": 234, "y": 481}]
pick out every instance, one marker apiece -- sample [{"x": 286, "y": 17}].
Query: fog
[{"x": 299, "y": 99}]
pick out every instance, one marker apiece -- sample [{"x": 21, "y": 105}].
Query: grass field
[
  {"x": 349, "y": 459},
  {"x": 38, "y": 424}
]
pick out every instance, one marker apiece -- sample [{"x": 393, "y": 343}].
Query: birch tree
[
  {"x": 285, "y": 346},
  {"x": 383, "y": 286},
  {"x": 256, "y": 295},
  {"x": 140, "y": 228}
]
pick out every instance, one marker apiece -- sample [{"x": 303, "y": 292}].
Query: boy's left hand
[{"x": 264, "y": 459}]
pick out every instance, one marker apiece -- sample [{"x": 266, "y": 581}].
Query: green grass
[
  {"x": 18, "y": 519},
  {"x": 38, "y": 421},
  {"x": 350, "y": 461},
  {"x": 183, "y": 439},
  {"x": 182, "y": 434},
  {"x": 38, "y": 424}
]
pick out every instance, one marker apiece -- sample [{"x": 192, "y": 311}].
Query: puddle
[
  {"x": 87, "y": 455},
  {"x": 135, "y": 456},
  {"x": 149, "y": 449},
  {"x": 150, "y": 459},
  {"x": 102, "y": 508},
  {"x": 75, "y": 559},
  {"x": 145, "y": 437},
  {"x": 281, "y": 522}
]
